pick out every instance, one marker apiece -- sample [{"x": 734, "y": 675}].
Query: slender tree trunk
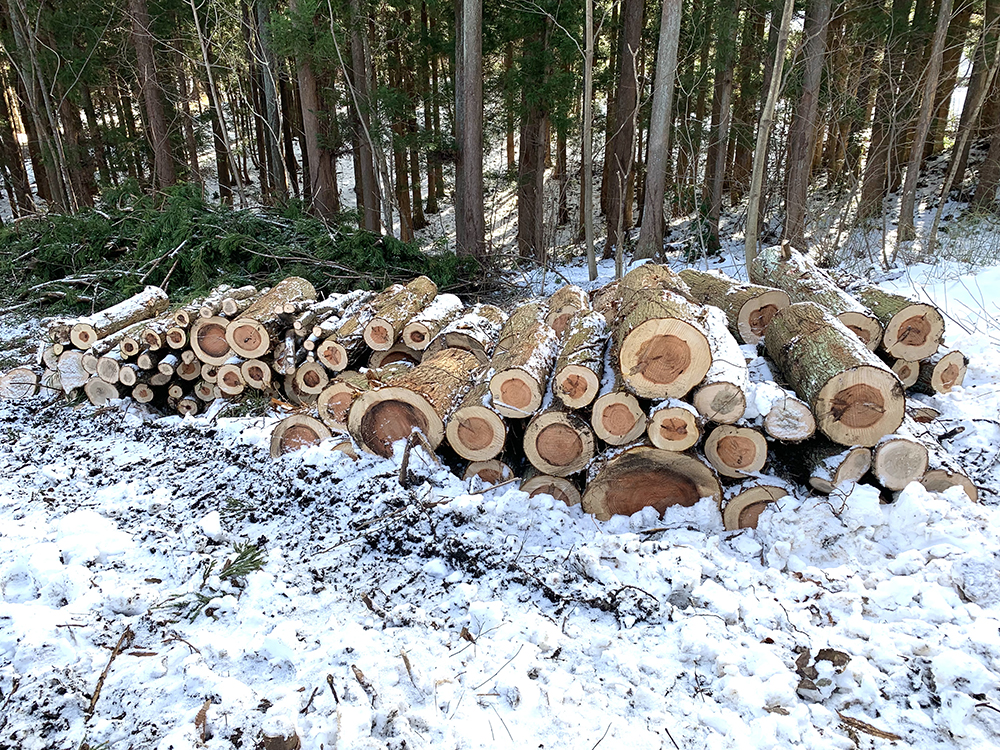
[
  {"x": 191, "y": 143},
  {"x": 426, "y": 94},
  {"x": 287, "y": 131},
  {"x": 34, "y": 147},
  {"x": 400, "y": 157},
  {"x": 954, "y": 46},
  {"x": 360, "y": 64},
  {"x": 530, "y": 186},
  {"x": 715, "y": 162},
  {"x": 142, "y": 41},
  {"x": 269, "y": 73},
  {"x": 470, "y": 227},
  {"x": 22, "y": 203},
  {"x": 614, "y": 32},
  {"x": 81, "y": 173},
  {"x": 914, "y": 70},
  {"x": 982, "y": 61},
  {"x": 587, "y": 156}
]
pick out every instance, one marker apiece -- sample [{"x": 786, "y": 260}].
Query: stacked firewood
[{"x": 652, "y": 391}]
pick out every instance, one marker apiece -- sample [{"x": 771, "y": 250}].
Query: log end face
[
  {"x": 576, "y": 386},
  {"x": 476, "y": 433},
  {"x": 559, "y": 488},
  {"x": 516, "y": 394},
  {"x": 208, "y": 339},
  {"x": 664, "y": 358},
  {"x": 248, "y": 338},
  {"x": 860, "y": 406},
  {"x": 617, "y": 418},
  {"x": 380, "y": 334},
  {"x": 380, "y": 417},
  {"x": 914, "y": 333},
  {"x": 756, "y": 315},
  {"x": 899, "y": 461},
  {"x": 722, "y": 403},
  {"x": 865, "y": 327}
]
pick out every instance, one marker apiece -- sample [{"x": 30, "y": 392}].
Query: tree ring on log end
[
  {"x": 576, "y": 386},
  {"x": 898, "y": 461},
  {"x": 558, "y": 443},
  {"x": 860, "y": 406},
  {"x": 333, "y": 355},
  {"x": 907, "y": 371},
  {"x": 743, "y": 510},
  {"x": 248, "y": 338},
  {"x": 756, "y": 314},
  {"x": 489, "y": 472},
  {"x": 208, "y": 339},
  {"x": 723, "y": 403},
  {"x": 297, "y": 431},
  {"x": 476, "y": 433},
  {"x": 515, "y": 393},
  {"x": 559, "y": 488},
  {"x": 377, "y": 334},
  {"x": 673, "y": 428},
  {"x": 664, "y": 358},
  {"x": 617, "y": 418},
  {"x": 379, "y": 418},
  {"x": 736, "y": 451},
  {"x": 914, "y": 333},
  {"x": 864, "y": 327}
]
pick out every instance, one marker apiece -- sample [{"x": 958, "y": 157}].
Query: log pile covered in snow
[{"x": 659, "y": 389}]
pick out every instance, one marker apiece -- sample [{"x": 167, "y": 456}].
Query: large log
[
  {"x": 941, "y": 373},
  {"x": 395, "y": 311},
  {"x": 612, "y": 299},
  {"x": 722, "y": 395},
  {"x": 616, "y": 415},
  {"x": 659, "y": 345},
  {"x": 423, "y": 327},
  {"x": 736, "y": 451},
  {"x": 475, "y": 431},
  {"x": 855, "y": 398},
  {"x": 748, "y": 307},
  {"x": 476, "y": 331},
  {"x": 625, "y": 482},
  {"x": 71, "y": 371},
  {"x": 563, "y": 305},
  {"x": 147, "y": 303},
  {"x": 250, "y": 335},
  {"x": 99, "y": 392},
  {"x": 576, "y": 379},
  {"x": 911, "y": 330},
  {"x": 334, "y": 403},
  {"x": 522, "y": 361},
  {"x": 419, "y": 400},
  {"x": 208, "y": 340},
  {"x": 558, "y": 443},
  {"x": 804, "y": 282},
  {"x": 20, "y": 382},
  {"x": 297, "y": 431},
  {"x": 747, "y": 500},
  {"x": 674, "y": 425}
]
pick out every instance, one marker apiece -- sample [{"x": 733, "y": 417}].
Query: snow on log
[
  {"x": 804, "y": 282},
  {"x": 147, "y": 303},
  {"x": 722, "y": 397},
  {"x": 783, "y": 415},
  {"x": 674, "y": 425},
  {"x": 475, "y": 431},
  {"x": 899, "y": 459},
  {"x": 21, "y": 382},
  {"x": 522, "y": 361},
  {"x": 911, "y": 330},
  {"x": 745, "y": 502},
  {"x": 577, "y": 375},
  {"x": 109, "y": 367},
  {"x": 748, "y": 307},
  {"x": 347, "y": 343},
  {"x": 626, "y": 481},
  {"x": 558, "y": 443},
  {"x": 211, "y": 306},
  {"x": 99, "y": 391},
  {"x": 250, "y": 335},
  {"x": 297, "y": 431},
  {"x": 208, "y": 340},
  {"x": 422, "y": 328},
  {"x": 736, "y": 451},
  {"x": 488, "y": 473},
  {"x": 616, "y": 416},
  {"x": 71, "y": 370},
  {"x": 395, "y": 311},
  {"x": 559, "y": 488},
  {"x": 418, "y": 400},
  {"x": 476, "y": 331},
  {"x": 855, "y": 398},
  {"x": 564, "y": 304},
  {"x": 51, "y": 383},
  {"x": 941, "y": 373}
]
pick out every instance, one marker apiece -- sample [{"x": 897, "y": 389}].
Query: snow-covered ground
[{"x": 438, "y": 616}]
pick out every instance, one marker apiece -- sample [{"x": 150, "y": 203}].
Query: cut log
[
  {"x": 208, "y": 340},
  {"x": 129, "y": 375},
  {"x": 345, "y": 345},
  {"x": 721, "y": 397},
  {"x": 475, "y": 430},
  {"x": 99, "y": 392},
  {"x": 154, "y": 334},
  {"x": 311, "y": 378},
  {"x": 149, "y": 360},
  {"x": 51, "y": 383},
  {"x": 522, "y": 361},
  {"x": 188, "y": 371},
  {"x": 334, "y": 403},
  {"x": 346, "y": 447},
  {"x": 736, "y": 451},
  {"x": 58, "y": 329},
  {"x": 187, "y": 406},
  {"x": 747, "y": 500},
  {"x": 230, "y": 378},
  {"x": 143, "y": 393},
  {"x": 395, "y": 311},
  {"x": 186, "y": 314},
  {"x": 921, "y": 413},
  {"x": 941, "y": 373},
  {"x": 250, "y": 335},
  {"x": 205, "y": 391},
  {"x": 168, "y": 364},
  {"x": 646, "y": 477},
  {"x": 564, "y": 304},
  {"x": 71, "y": 371},
  {"x": 907, "y": 371},
  {"x": 782, "y": 414},
  {"x": 419, "y": 400},
  {"x": 674, "y": 425},
  {"x": 559, "y": 488},
  {"x": 50, "y": 355},
  {"x": 22, "y": 382},
  {"x": 147, "y": 303},
  {"x": 804, "y": 282},
  {"x": 488, "y": 473},
  {"x": 477, "y": 331},
  {"x": 943, "y": 471},
  {"x": 855, "y": 398},
  {"x": 616, "y": 416},
  {"x": 579, "y": 367},
  {"x": 210, "y": 373},
  {"x": 829, "y": 466},
  {"x": 659, "y": 345},
  {"x": 233, "y": 305},
  {"x": 89, "y": 363},
  {"x": 211, "y": 306},
  {"x": 558, "y": 443},
  {"x": 422, "y": 328},
  {"x": 109, "y": 366},
  {"x": 748, "y": 307},
  {"x": 911, "y": 330},
  {"x": 256, "y": 374},
  {"x": 303, "y": 323},
  {"x": 176, "y": 337},
  {"x": 897, "y": 460},
  {"x": 158, "y": 379},
  {"x": 398, "y": 353},
  {"x": 297, "y": 431},
  {"x": 117, "y": 341}
]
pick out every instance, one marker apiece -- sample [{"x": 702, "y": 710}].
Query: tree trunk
[
  {"x": 369, "y": 196},
  {"x": 273, "y": 131},
  {"x": 715, "y": 162},
  {"x": 23, "y": 203},
  {"x": 983, "y": 61},
  {"x": 958, "y": 33},
  {"x": 530, "y": 186},
  {"x": 748, "y": 307},
  {"x": 142, "y": 41},
  {"x": 470, "y": 226},
  {"x": 522, "y": 360},
  {"x": 587, "y": 151}
]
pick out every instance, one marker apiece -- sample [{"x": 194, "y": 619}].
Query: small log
[
  {"x": 397, "y": 353},
  {"x": 99, "y": 392},
  {"x": 250, "y": 335},
  {"x": 804, "y": 282},
  {"x": 175, "y": 391},
  {"x": 477, "y": 331},
  {"x": 907, "y": 371},
  {"x": 395, "y": 311},
  {"x": 489, "y": 473},
  {"x": 22, "y": 382},
  {"x": 346, "y": 447},
  {"x": 187, "y": 405},
  {"x": 423, "y": 327},
  {"x": 256, "y": 374},
  {"x": 211, "y": 305},
  {"x": 210, "y": 373},
  {"x": 297, "y": 431},
  {"x": 855, "y": 398},
  {"x": 205, "y": 391},
  {"x": 829, "y": 466},
  {"x": 311, "y": 378},
  {"x": 783, "y": 415},
  {"x": 208, "y": 340},
  {"x": 616, "y": 416},
  {"x": 89, "y": 363},
  {"x": 51, "y": 383},
  {"x": 558, "y": 443},
  {"x": 348, "y": 305},
  {"x": 418, "y": 400},
  {"x": 303, "y": 323},
  {"x": 50, "y": 355},
  {"x": 233, "y": 305},
  {"x": 168, "y": 364},
  {"x": 559, "y": 488},
  {"x": 921, "y": 413},
  {"x": 109, "y": 366},
  {"x": 943, "y": 471},
  {"x": 147, "y": 303},
  {"x": 660, "y": 345},
  {"x": 230, "y": 378},
  {"x": 188, "y": 371},
  {"x": 899, "y": 459},
  {"x": 186, "y": 314},
  {"x": 576, "y": 378},
  {"x": 334, "y": 403},
  {"x": 117, "y": 340},
  {"x": 911, "y": 330},
  {"x": 674, "y": 425},
  {"x": 522, "y": 361},
  {"x": 176, "y": 337},
  {"x": 149, "y": 360},
  {"x": 748, "y": 307},
  {"x": 747, "y": 500},
  {"x": 722, "y": 397},
  {"x": 143, "y": 393},
  {"x": 58, "y": 329},
  {"x": 71, "y": 370},
  {"x": 625, "y": 482},
  {"x": 129, "y": 375},
  {"x": 736, "y": 451},
  {"x": 158, "y": 379},
  {"x": 564, "y": 304},
  {"x": 475, "y": 431},
  {"x": 154, "y": 335},
  {"x": 941, "y": 373}
]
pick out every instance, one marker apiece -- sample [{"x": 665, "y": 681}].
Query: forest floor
[{"x": 357, "y": 613}]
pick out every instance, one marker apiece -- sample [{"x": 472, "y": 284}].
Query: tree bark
[
  {"x": 369, "y": 196},
  {"x": 470, "y": 226},
  {"x": 142, "y": 41}
]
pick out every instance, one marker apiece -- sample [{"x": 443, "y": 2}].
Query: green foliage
[{"x": 178, "y": 238}]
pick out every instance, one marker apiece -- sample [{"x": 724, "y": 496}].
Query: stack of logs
[{"x": 649, "y": 392}]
